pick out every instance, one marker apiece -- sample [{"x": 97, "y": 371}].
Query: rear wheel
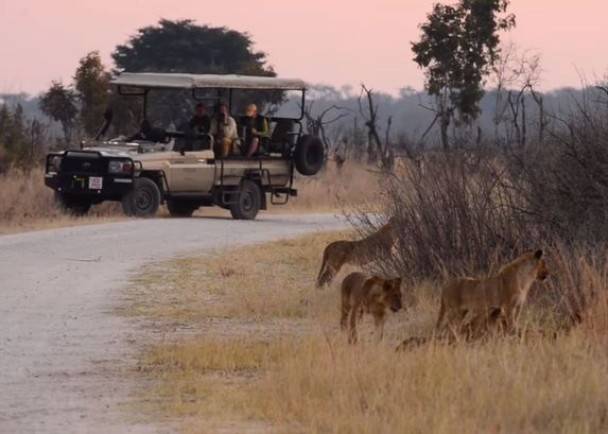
[
  {"x": 180, "y": 208},
  {"x": 248, "y": 202},
  {"x": 71, "y": 205},
  {"x": 142, "y": 200}
]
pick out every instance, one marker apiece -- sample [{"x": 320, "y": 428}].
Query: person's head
[
  {"x": 251, "y": 110},
  {"x": 200, "y": 109},
  {"x": 222, "y": 108}
]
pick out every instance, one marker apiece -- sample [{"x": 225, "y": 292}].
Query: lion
[
  {"x": 359, "y": 252},
  {"x": 496, "y": 298},
  {"x": 368, "y": 294}
]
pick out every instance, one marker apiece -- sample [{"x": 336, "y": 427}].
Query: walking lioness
[
  {"x": 364, "y": 294},
  {"x": 359, "y": 252},
  {"x": 486, "y": 300}
]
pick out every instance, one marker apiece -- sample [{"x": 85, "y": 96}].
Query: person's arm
[
  {"x": 233, "y": 131},
  {"x": 265, "y": 128}
]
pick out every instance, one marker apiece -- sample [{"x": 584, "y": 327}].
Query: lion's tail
[
  {"x": 440, "y": 316},
  {"x": 325, "y": 274}
]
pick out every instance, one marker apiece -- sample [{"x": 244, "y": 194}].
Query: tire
[
  {"x": 309, "y": 156},
  {"x": 142, "y": 200},
  {"x": 248, "y": 202},
  {"x": 179, "y": 208},
  {"x": 72, "y": 206}
]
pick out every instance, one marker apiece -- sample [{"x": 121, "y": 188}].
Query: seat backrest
[{"x": 282, "y": 130}]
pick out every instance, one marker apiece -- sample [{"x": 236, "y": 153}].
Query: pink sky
[{"x": 322, "y": 41}]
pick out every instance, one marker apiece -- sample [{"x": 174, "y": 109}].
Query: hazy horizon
[{"x": 321, "y": 42}]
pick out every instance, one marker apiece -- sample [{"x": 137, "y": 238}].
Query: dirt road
[{"x": 62, "y": 349}]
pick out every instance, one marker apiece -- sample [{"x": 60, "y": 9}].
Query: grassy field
[
  {"x": 27, "y": 204},
  {"x": 249, "y": 345}
]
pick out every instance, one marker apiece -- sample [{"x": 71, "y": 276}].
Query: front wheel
[
  {"x": 72, "y": 206},
  {"x": 142, "y": 200},
  {"x": 248, "y": 202}
]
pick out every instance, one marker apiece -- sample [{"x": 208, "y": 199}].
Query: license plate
[{"x": 95, "y": 183}]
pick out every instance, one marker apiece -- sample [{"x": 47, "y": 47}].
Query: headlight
[
  {"x": 120, "y": 167},
  {"x": 56, "y": 163}
]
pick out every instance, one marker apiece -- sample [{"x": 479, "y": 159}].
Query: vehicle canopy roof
[{"x": 206, "y": 81}]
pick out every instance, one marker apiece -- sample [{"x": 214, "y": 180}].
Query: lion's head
[
  {"x": 541, "y": 267},
  {"x": 392, "y": 294}
]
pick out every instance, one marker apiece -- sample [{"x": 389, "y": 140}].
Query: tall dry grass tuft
[
  {"x": 354, "y": 185},
  {"x": 504, "y": 386},
  {"x": 578, "y": 288},
  {"x": 26, "y": 203}
]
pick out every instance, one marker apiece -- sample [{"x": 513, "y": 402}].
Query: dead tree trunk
[{"x": 375, "y": 146}]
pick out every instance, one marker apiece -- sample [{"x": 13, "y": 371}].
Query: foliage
[
  {"x": 59, "y": 103},
  {"x": 458, "y": 45},
  {"x": 92, "y": 84},
  {"x": 20, "y": 138},
  {"x": 183, "y": 46}
]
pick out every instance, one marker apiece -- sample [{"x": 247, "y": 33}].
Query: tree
[
  {"x": 59, "y": 103},
  {"x": 458, "y": 46},
  {"x": 92, "y": 83},
  {"x": 376, "y": 150},
  {"x": 183, "y": 46},
  {"x": 5, "y": 122}
]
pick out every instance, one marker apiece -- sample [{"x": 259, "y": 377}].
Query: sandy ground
[{"x": 63, "y": 352}]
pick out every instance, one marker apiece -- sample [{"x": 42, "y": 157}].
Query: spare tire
[{"x": 309, "y": 156}]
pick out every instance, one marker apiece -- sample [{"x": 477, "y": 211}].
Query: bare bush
[
  {"x": 455, "y": 213},
  {"x": 564, "y": 182}
]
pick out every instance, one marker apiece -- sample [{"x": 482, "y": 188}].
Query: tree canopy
[
  {"x": 458, "y": 45},
  {"x": 59, "y": 103},
  {"x": 92, "y": 83},
  {"x": 183, "y": 46}
]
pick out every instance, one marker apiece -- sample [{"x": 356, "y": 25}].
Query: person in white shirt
[{"x": 224, "y": 132}]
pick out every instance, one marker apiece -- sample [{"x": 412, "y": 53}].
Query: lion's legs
[
  {"x": 345, "y": 311},
  {"x": 440, "y": 318},
  {"x": 510, "y": 319},
  {"x": 379, "y": 320},
  {"x": 352, "y": 335},
  {"x": 455, "y": 322}
]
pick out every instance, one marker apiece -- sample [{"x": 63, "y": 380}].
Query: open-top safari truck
[{"x": 175, "y": 166}]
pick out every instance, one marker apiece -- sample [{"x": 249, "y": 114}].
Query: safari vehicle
[{"x": 178, "y": 167}]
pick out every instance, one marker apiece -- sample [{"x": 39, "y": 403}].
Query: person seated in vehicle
[
  {"x": 224, "y": 131},
  {"x": 200, "y": 122},
  {"x": 255, "y": 130}
]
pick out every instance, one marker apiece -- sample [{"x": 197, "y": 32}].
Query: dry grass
[
  {"x": 280, "y": 363},
  {"x": 354, "y": 185},
  {"x": 27, "y": 204},
  {"x": 254, "y": 283}
]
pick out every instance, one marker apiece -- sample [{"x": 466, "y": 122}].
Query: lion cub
[
  {"x": 485, "y": 301},
  {"x": 362, "y": 293}
]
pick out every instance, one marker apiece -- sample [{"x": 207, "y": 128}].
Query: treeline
[
  {"x": 454, "y": 110},
  {"x": 76, "y": 109}
]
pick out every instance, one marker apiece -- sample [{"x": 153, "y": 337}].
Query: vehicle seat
[{"x": 283, "y": 137}]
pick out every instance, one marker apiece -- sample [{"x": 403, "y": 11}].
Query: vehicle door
[{"x": 191, "y": 172}]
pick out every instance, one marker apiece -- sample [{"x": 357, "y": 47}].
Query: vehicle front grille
[{"x": 83, "y": 163}]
